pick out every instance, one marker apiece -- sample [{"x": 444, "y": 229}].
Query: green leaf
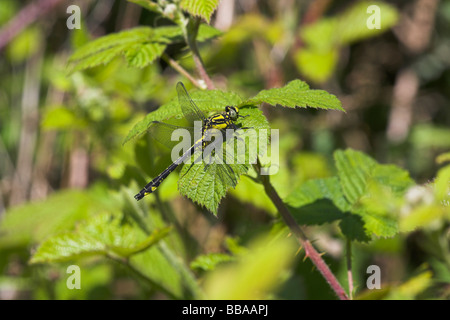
[
  {"x": 34, "y": 221},
  {"x": 99, "y": 235},
  {"x": 258, "y": 273},
  {"x": 296, "y": 94},
  {"x": 422, "y": 216},
  {"x": 353, "y": 227},
  {"x": 412, "y": 287},
  {"x": 200, "y": 8},
  {"x": 316, "y": 189},
  {"x": 141, "y": 54},
  {"x": 61, "y": 117},
  {"x": 425, "y": 136},
  {"x": 314, "y": 201},
  {"x": 442, "y": 184},
  {"x": 25, "y": 44},
  {"x": 207, "y": 185},
  {"x": 206, "y": 32},
  {"x": 351, "y": 26},
  {"x": 442, "y": 158},
  {"x": 324, "y": 39},
  {"x": 321, "y": 201},
  {"x": 365, "y": 182},
  {"x": 208, "y": 262},
  {"x": 166, "y": 271},
  {"x": 354, "y": 197},
  {"x": 140, "y": 46},
  {"x": 354, "y": 168},
  {"x": 347, "y": 27},
  {"x": 207, "y": 101},
  {"x": 358, "y": 172},
  {"x": 317, "y": 65}
]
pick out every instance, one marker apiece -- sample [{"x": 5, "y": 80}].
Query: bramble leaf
[
  {"x": 140, "y": 46},
  {"x": 209, "y": 261},
  {"x": 353, "y": 197},
  {"x": 100, "y": 235},
  {"x": 365, "y": 182},
  {"x": 296, "y": 94},
  {"x": 200, "y": 8}
]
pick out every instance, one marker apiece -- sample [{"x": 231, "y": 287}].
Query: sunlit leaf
[
  {"x": 200, "y": 8},
  {"x": 99, "y": 235},
  {"x": 209, "y": 261},
  {"x": 255, "y": 275},
  {"x": 296, "y": 94}
]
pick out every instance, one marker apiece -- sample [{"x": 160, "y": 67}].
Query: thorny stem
[
  {"x": 191, "y": 35},
  {"x": 310, "y": 252}
]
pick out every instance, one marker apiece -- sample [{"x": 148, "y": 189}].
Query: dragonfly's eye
[{"x": 232, "y": 112}]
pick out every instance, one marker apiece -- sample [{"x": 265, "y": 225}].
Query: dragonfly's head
[{"x": 233, "y": 112}]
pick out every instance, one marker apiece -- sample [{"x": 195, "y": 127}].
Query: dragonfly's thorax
[
  {"x": 218, "y": 121},
  {"x": 222, "y": 121}
]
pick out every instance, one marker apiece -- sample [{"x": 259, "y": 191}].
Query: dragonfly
[{"x": 219, "y": 121}]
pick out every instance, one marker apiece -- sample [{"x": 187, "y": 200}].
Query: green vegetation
[{"x": 353, "y": 188}]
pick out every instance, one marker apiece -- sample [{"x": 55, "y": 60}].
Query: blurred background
[{"x": 61, "y": 132}]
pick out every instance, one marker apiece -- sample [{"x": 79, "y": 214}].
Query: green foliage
[
  {"x": 353, "y": 197},
  {"x": 296, "y": 94},
  {"x": 200, "y": 8},
  {"x": 325, "y": 38},
  {"x": 204, "y": 184},
  {"x": 427, "y": 205},
  {"x": 33, "y": 222},
  {"x": 139, "y": 46},
  {"x": 61, "y": 118},
  {"x": 209, "y": 261},
  {"x": 102, "y": 234},
  {"x": 208, "y": 101},
  {"x": 254, "y": 275}
]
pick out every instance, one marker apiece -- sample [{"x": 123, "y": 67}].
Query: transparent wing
[
  {"x": 223, "y": 164},
  {"x": 190, "y": 110},
  {"x": 166, "y": 134}
]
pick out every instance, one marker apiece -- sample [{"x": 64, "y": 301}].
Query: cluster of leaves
[
  {"x": 139, "y": 46},
  {"x": 195, "y": 183},
  {"x": 368, "y": 200},
  {"x": 353, "y": 197}
]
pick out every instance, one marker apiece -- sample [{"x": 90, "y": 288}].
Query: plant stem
[
  {"x": 191, "y": 35},
  {"x": 310, "y": 252},
  {"x": 349, "y": 269},
  {"x": 181, "y": 70}
]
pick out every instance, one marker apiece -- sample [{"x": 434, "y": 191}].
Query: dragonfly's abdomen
[{"x": 154, "y": 184}]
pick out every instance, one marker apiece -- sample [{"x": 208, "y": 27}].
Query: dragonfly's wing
[
  {"x": 223, "y": 164},
  {"x": 190, "y": 110},
  {"x": 170, "y": 135}
]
